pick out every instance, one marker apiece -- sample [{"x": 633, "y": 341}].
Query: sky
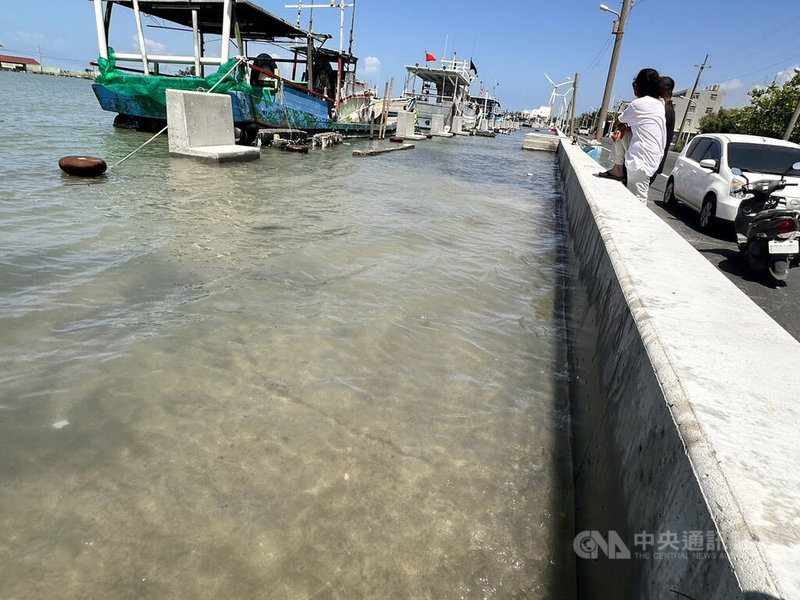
[{"x": 513, "y": 43}]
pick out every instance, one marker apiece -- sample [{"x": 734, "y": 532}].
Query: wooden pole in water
[
  {"x": 371, "y": 121},
  {"x": 383, "y": 110}
]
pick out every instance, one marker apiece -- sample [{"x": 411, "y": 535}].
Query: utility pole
[
  {"x": 691, "y": 97},
  {"x": 572, "y": 106},
  {"x": 618, "y": 31},
  {"x": 793, "y": 120}
]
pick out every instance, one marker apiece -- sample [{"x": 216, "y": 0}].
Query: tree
[
  {"x": 768, "y": 114},
  {"x": 726, "y": 120},
  {"x": 773, "y": 106}
]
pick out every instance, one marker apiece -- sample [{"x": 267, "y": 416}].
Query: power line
[
  {"x": 596, "y": 60},
  {"x": 691, "y": 95}
]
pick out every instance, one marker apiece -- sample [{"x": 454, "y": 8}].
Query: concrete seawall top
[{"x": 729, "y": 377}]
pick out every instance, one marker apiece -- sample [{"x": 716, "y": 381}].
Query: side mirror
[
  {"x": 709, "y": 163},
  {"x": 794, "y": 167}
]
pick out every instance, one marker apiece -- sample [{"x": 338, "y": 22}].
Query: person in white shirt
[{"x": 641, "y": 135}]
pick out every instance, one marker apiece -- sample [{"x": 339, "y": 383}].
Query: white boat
[{"x": 442, "y": 90}]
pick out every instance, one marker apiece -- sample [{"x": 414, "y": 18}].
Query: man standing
[{"x": 667, "y": 85}]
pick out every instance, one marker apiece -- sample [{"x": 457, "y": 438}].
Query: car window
[
  {"x": 696, "y": 152},
  {"x": 714, "y": 151},
  {"x": 693, "y": 145},
  {"x": 763, "y": 158}
]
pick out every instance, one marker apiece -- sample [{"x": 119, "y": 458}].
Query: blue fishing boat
[{"x": 314, "y": 89}]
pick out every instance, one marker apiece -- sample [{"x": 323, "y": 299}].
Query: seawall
[{"x": 685, "y": 411}]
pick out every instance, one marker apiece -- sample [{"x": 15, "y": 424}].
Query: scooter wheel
[{"x": 779, "y": 268}]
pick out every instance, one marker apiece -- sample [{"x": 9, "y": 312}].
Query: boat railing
[
  {"x": 432, "y": 98},
  {"x": 459, "y": 66}
]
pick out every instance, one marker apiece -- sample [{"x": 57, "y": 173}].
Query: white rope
[{"x": 239, "y": 60}]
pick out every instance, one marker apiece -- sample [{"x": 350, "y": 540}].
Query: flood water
[{"x": 310, "y": 376}]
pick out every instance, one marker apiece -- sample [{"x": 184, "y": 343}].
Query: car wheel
[
  {"x": 669, "y": 193},
  {"x": 707, "y": 214}
]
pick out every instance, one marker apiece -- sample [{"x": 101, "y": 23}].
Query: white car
[
  {"x": 702, "y": 177},
  {"x": 583, "y": 131}
]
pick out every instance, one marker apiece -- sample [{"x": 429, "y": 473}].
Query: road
[{"x": 719, "y": 247}]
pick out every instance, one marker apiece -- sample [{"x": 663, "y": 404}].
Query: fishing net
[{"x": 150, "y": 90}]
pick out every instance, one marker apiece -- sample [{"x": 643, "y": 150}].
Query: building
[
  {"x": 18, "y": 63},
  {"x": 704, "y": 102},
  {"x": 539, "y": 115}
]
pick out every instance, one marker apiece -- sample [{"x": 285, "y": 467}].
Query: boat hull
[{"x": 285, "y": 108}]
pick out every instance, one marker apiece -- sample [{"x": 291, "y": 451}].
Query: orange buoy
[
  {"x": 83, "y": 166},
  {"x": 396, "y": 139},
  {"x": 297, "y": 148}
]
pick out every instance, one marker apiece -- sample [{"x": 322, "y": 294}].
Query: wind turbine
[
  {"x": 564, "y": 108},
  {"x": 555, "y": 93}
]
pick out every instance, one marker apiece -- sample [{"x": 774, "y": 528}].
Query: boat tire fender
[{"x": 83, "y": 166}]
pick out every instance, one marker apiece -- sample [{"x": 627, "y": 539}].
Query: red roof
[{"x": 17, "y": 59}]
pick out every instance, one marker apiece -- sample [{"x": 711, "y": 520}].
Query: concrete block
[
  {"x": 201, "y": 126},
  {"x": 437, "y": 124},
  {"x": 458, "y": 124},
  {"x": 405, "y": 123}
]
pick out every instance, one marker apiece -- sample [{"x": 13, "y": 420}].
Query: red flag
[{"x": 429, "y": 57}]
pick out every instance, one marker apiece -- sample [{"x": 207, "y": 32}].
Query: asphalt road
[{"x": 719, "y": 247}]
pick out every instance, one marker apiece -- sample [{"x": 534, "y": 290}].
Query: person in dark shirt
[{"x": 666, "y": 86}]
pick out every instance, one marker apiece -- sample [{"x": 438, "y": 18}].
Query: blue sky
[{"x": 512, "y": 42}]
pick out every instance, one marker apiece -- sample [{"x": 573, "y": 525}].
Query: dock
[{"x": 378, "y": 151}]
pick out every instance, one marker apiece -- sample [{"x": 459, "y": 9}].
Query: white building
[
  {"x": 704, "y": 102},
  {"x": 539, "y": 115}
]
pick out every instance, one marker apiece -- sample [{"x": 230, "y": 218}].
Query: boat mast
[
  {"x": 226, "y": 31},
  {"x": 341, "y": 6},
  {"x": 142, "y": 45},
  {"x": 196, "y": 32},
  {"x": 102, "y": 40}
]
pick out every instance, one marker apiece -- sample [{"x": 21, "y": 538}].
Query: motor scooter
[{"x": 767, "y": 231}]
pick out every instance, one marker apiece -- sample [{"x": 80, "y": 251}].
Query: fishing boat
[
  {"x": 486, "y": 108},
  {"x": 442, "y": 90},
  {"x": 314, "y": 89}
]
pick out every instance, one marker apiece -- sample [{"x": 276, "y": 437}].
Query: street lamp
[
  {"x": 605, "y": 8},
  {"x": 618, "y": 30},
  {"x": 793, "y": 120}
]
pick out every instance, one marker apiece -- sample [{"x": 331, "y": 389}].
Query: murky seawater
[{"x": 306, "y": 377}]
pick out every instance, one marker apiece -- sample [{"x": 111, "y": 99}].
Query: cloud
[
  {"x": 784, "y": 76},
  {"x": 732, "y": 84},
  {"x": 153, "y": 47},
  {"x": 735, "y": 93},
  {"x": 372, "y": 65},
  {"x": 30, "y": 38}
]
